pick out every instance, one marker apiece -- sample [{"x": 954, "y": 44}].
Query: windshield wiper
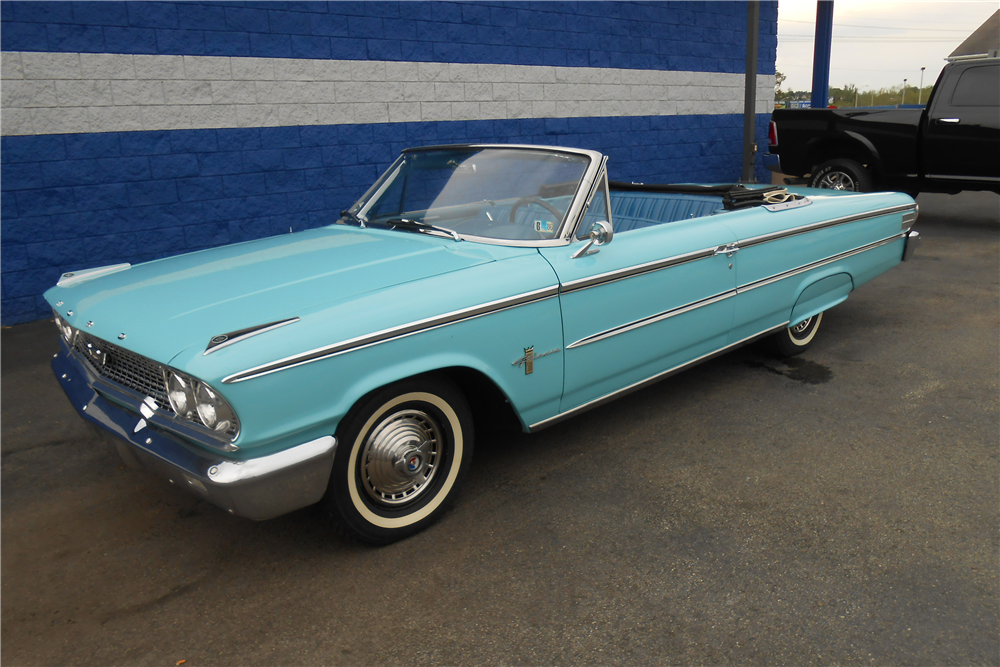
[
  {"x": 418, "y": 224},
  {"x": 353, "y": 216}
]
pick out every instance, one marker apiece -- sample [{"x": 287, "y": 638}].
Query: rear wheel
[
  {"x": 797, "y": 339},
  {"x": 401, "y": 456},
  {"x": 842, "y": 174}
]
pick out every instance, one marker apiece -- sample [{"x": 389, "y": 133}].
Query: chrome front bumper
[{"x": 257, "y": 488}]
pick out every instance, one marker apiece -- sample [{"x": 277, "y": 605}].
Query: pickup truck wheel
[
  {"x": 401, "y": 455},
  {"x": 842, "y": 174},
  {"x": 797, "y": 339}
]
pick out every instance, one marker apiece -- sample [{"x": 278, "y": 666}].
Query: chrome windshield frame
[{"x": 563, "y": 235}]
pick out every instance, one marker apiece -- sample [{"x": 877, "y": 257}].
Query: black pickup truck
[{"x": 952, "y": 144}]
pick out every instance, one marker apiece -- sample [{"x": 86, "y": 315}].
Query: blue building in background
[{"x": 133, "y": 131}]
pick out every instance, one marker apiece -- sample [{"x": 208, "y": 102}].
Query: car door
[
  {"x": 962, "y": 136},
  {"x": 652, "y": 299}
]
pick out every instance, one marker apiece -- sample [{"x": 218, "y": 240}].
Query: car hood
[{"x": 167, "y": 305}]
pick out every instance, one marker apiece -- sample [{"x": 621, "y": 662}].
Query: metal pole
[
  {"x": 920, "y": 94},
  {"x": 750, "y": 92},
  {"x": 821, "y": 54},
  {"x": 902, "y": 100}
]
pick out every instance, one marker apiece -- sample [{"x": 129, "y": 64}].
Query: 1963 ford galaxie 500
[{"x": 337, "y": 364}]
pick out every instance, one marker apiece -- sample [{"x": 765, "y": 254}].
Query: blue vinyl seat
[{"x": 635, "y": 210}]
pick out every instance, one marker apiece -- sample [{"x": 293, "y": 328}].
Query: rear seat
[{"x": 635, "y": 210}]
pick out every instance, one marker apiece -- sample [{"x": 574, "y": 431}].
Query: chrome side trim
[
  {"x": 652, "y": 319},
  {"x": 621, "y": 274},
  {"x": 795, "y": 231},
  {"x": 808, "y": 267},
  {"x": 992, "y": 179},
  {"x": 597, "y": 402},
  {"x": 227, "y": 339},
  {"x": 393, "y": 333},
  {"x": 234, "y": 472}
]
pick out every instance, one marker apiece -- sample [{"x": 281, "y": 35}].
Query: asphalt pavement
[{"x": 838, "y": 508}]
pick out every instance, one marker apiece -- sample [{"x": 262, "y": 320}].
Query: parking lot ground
[{"x": 838, "y": 508}]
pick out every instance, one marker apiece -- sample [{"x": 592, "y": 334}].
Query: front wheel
[
  {"x": 797, "y": 339},
  {"x": 401, "y": 455},
  {"x": 842, "y": 174}
]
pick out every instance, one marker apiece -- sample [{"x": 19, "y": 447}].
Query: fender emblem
[{"x": 529, "y": 358}]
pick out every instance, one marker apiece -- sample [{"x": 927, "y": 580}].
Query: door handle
[
  {"x": 948, "y": 120},
  {"x": 728, "y": 250}
]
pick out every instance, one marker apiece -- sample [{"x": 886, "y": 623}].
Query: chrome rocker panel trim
[
  {"x": 393, "y": 333},
  {"x": 944, "y": 177},
  {"x": 597, "y": 402},
  {"x": 258, "y": 488}
]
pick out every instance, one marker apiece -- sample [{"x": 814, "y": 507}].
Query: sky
[{"x": 876, "y": 44}]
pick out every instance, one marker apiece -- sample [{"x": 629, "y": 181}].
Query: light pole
[
  {"x": 920, "y": 94},
  {"x": 902, "y": 101}
]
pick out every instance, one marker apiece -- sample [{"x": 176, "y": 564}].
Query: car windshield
[{"x": 497, "y": 193}]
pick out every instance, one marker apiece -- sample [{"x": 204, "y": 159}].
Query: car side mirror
[{"x": 601, "y": 232}]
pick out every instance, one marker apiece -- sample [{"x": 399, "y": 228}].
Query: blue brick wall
[
  {"x": 80, "y": 200},
  {"x": 693, "y": 36}
]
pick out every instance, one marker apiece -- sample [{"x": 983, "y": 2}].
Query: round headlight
[
  {"x": 65, "y": 330},
  {"x": 212, "y": 410},
  {"x": 181, "y": 395}
]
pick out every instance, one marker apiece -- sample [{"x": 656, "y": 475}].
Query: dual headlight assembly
[{"x": 192, "y": 400}]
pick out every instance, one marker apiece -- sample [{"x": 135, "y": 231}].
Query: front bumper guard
[{"x": 258, "y": 488}]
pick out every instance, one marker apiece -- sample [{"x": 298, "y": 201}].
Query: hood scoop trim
[
  {"x": 74, "y": 277},
  {"x": 227, "y": 339}
]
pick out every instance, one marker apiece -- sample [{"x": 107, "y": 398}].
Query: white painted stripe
[{"x": 53, "y": 93}]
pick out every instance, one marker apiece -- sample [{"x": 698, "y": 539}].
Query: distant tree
[{"x": 779, "y": 79}]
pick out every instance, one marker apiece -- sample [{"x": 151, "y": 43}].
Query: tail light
[{"x": 772, "y": 134}]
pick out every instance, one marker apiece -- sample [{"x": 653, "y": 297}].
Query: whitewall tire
[
  {"x": 401, "y": 455},
  {"x": 796, "y": 339}
]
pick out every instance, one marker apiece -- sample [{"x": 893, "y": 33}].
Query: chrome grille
[{"x": 125, "y": 368}]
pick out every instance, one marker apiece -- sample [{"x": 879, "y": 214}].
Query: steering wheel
[{"x": 534, "y": 200}]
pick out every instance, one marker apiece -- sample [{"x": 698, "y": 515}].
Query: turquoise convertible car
[{"x": 338, "y": 364}]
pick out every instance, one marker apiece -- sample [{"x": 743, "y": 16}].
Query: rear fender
[
  {"x": 820, "y": 296},
  {"x": 850, "y": 145}
]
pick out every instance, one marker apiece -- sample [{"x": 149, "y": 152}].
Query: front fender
[{"x": 305, "y": 399}]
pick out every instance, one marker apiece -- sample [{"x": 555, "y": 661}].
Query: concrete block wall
[{"x": 133, "y": 131}]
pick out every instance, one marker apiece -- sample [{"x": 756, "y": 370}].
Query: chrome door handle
[
  {"x": 948, "y": 120},
  {"x": 728, "y": 250}
]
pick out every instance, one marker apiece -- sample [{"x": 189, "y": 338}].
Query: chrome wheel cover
[
  {"x": 837, "y": 180},
  {"x": 799, "y": 329},
  {"x": 401, "y": 457}
]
